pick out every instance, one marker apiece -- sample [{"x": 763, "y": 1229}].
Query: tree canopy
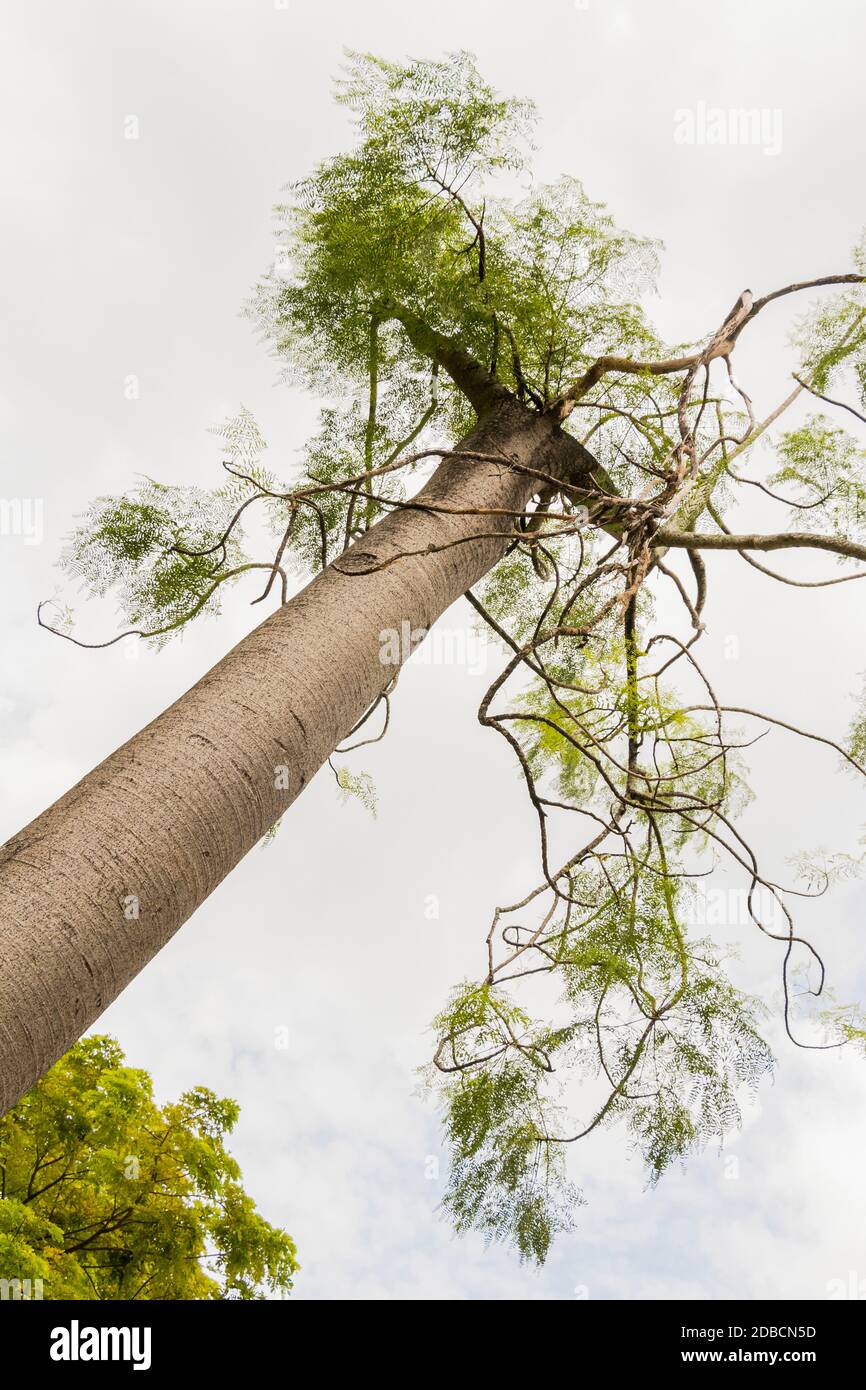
[
  {"x": 106, "y": 1195},
  {"x": 421, "y": 279}
]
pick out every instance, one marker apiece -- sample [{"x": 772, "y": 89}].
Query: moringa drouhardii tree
[{"x": 503, "y": 424}]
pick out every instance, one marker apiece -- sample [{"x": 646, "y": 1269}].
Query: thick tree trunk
[{"x": 92, "y": 889}]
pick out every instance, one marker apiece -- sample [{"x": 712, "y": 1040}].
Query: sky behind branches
[{"x": 131, "y": 257}]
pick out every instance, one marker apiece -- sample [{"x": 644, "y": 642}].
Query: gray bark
[{"x": 167, "y": 816}]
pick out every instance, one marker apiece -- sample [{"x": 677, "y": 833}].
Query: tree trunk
[{"x": 92, "y": 889}]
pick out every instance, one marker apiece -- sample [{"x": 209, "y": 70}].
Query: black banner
[{"x": 87, "y": 1340}]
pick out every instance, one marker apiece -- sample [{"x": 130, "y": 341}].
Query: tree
[
  {"x": 105, "y": 1195},
  {"x": 581, "y": 461}
]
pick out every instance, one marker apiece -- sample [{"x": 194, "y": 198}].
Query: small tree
[{"x": 105, "y": 1195}]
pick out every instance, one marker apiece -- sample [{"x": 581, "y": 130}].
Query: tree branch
[
  {"x": 480, "y": 387},
  {"x": 720, "y": 345},
  {"x": 785, "y": 540}
]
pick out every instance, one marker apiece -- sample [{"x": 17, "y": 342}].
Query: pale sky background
[{"x": 128, "y": 257}]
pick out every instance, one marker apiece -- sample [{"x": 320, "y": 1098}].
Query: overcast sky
[{"x": 131, "y": 257}]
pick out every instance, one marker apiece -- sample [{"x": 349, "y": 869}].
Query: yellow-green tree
[{"x": 105, "y": 1195}]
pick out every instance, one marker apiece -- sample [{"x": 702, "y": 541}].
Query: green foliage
[
  {"x": 561, "y": 277},
  {"x": 167, "y": 553},
  {"x": 105, "y": 1195},
  {"x": 671, "y": 1043},
  {"x": 407, "y": 240},
  {"x": 149, "y": 547},
  {"x": 243, "y": 444},
  {"x": 831, "y": 337},
  {"x": 505, "y": 1179},
  {"x": 849, "y": 1021},
  {"x": 825, "y": 469},
  {"x": 358, "y": 785},
  {"x": 374, "y": 225},
  {"x": 856, "y": 741}
]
